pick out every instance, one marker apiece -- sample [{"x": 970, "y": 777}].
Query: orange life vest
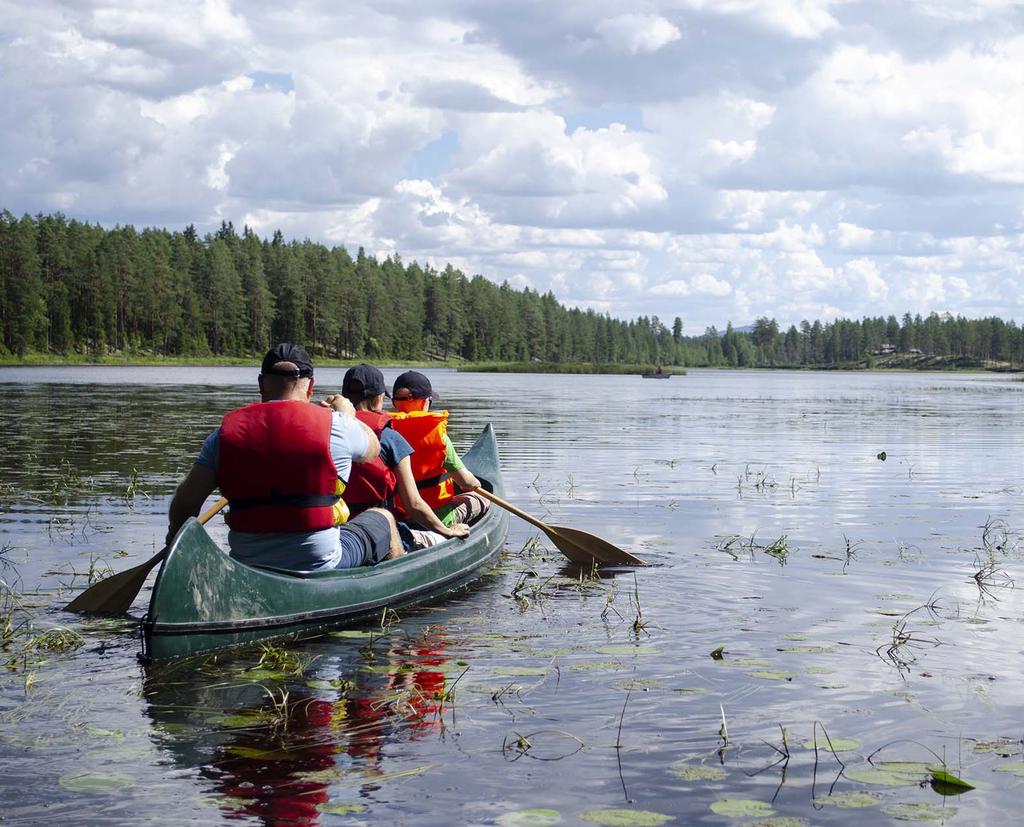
[
  {"x": 425, "y": 432},
  {"x": 275, "y": 468}
]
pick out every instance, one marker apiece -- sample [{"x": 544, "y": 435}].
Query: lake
[{"x": 829, "y": 615}]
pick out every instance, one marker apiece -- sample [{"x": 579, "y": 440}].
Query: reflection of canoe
[
  {"x": 203, "y": 599},
  {"x": 652, "y": 375}
]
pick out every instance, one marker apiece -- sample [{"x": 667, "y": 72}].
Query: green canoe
[{"x": 203, "y": 599}]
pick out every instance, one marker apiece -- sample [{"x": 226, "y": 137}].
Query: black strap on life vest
[
  {"x": 432, "y": 481},
  {"x": 296, "y": 501}
]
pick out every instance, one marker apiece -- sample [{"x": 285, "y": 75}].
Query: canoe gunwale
[{"x": 350, "y": 610}]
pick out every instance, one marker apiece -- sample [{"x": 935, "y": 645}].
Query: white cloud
[
  {"x": 851, "y": 236},
  {"x": 797, "y": 18},
  {"x": 797, "y": 157},
  {"x": 636, "y": 33}
]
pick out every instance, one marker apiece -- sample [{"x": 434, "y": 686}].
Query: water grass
[{"x": 738, "y": 547}]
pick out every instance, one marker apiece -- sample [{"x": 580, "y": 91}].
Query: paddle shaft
[
  {"x": 578, "y": 546},
  {"x": 522, "y": 515},
  {"x": 115, "y": 594}
]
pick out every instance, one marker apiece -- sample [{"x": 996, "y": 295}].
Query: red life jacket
[
  {"x": 275, "y": 467},
  {"x": 371, "y": 484},
  {"x": 425, "y": 432}
]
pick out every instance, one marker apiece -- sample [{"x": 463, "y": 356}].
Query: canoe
[
  {"x": 652, "y": 375},
  {"x": 203, "y": 599}
]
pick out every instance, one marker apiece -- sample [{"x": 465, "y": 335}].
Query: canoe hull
[{"x": 203, "y": 599}]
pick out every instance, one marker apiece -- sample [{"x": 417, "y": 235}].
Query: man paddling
[{"x": 282, "y": 463}]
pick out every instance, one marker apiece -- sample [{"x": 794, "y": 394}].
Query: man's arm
[
  {"x": 340, "y": 404},
  {"x": 190, "y": 496}
]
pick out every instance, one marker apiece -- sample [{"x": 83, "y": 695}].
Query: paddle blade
[
  {"x": 583, "y": 547},
  {"x": 115, "y": 594}
]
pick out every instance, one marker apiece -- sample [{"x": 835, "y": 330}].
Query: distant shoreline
[{"x": 881, "y": 364}]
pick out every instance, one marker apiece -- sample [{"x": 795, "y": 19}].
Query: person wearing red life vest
[
  {"x": 282, "y": 464},
  {"x": 439, "y": 468},
  {"x": 377, "y": 483}
]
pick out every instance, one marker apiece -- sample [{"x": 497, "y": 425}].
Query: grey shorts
[{"x": 365, "y": 540}]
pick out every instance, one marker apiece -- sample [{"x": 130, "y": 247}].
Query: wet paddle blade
[
  {"x": 583, "y": 547},
  {"x": 115, "y": 594}
]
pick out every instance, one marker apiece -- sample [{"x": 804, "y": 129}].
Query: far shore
[{"x": 888, "y": 363}]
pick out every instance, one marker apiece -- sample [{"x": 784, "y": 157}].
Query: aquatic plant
[
  {"x": 519, "y": 745},
  {"x": 276, "y": 658},
  {"x": 132, "y": 489},
  {"x": 899, "y": 650},
  {"x": 736, "y": 546}
]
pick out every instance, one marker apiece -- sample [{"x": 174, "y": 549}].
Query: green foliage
[{"x": 86, "y": 292}]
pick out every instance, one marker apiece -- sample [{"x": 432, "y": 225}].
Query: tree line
[{"x": 68, "y": 287}]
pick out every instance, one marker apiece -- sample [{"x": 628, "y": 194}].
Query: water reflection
[{"x": 284, "y": 749}]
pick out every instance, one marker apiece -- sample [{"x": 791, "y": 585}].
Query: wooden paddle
[
  {"x": 115, "y": 594},
  {"x": 578, "y": 546}
]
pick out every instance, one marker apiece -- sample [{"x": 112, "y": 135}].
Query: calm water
[{"x": 853, "y": 596}]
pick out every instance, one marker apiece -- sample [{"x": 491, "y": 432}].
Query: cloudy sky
[{"x": 712, "y": 159}]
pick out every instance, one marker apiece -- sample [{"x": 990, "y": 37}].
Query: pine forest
[{"x": 74, "y": 288}]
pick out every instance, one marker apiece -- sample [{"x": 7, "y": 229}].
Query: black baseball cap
[
  {"x": 369, "y": 378},
  {"x": 287, "y": 352},
  {"x": 416, "y": 383}
]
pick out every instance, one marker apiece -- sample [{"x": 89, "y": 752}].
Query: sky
[{"x": 714, "y": 160}]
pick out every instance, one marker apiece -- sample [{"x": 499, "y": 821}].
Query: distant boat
[{"x": 656, "y": 375}]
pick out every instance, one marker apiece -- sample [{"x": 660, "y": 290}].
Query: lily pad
[
  {"x": 340, "y": 809},
  {"x": 919, "y": 812},
  {"x": 779, "y": 821},
  {"x": 597, "y": 666},
  {"x": 258, "y": 674},
  {"x": 260, "y": 754},
  {"x": 818, "y": 670},
  {"x": 698, "y": 772},
  {"x": 918, "y": 769},
  {"x": 232, "y": 721},
  {"x": 355, "y": 633},
  {"x": 838, "y": 744},
  {"x": 741, "y": 808},
  {"x": 410, "y": 773},
  {"x": 1013, "y": 769},
  {"x": 616, "y": 649},
  {"x": 945, "y": 779},
  {"x": 771, "y": 674},
  {"x": 806, "y": 650},
  {"x": 530, "y": 818},
  {"x": 1003, "y": 748},
  {"x": 104, "y": 733},
  {"x": 794, "y": 636},
  {"x": 636, "y": 684},
  {"x": 851, "y": 800},
  {"x": 746, "y": 663},
  {"x": 625, "y": 818},
  {"x": 95, "y": 782},
  {"x": 881, "y": 778},
  {"x": 520, "y": 671},
  {"x": 691, "y": 690}
]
